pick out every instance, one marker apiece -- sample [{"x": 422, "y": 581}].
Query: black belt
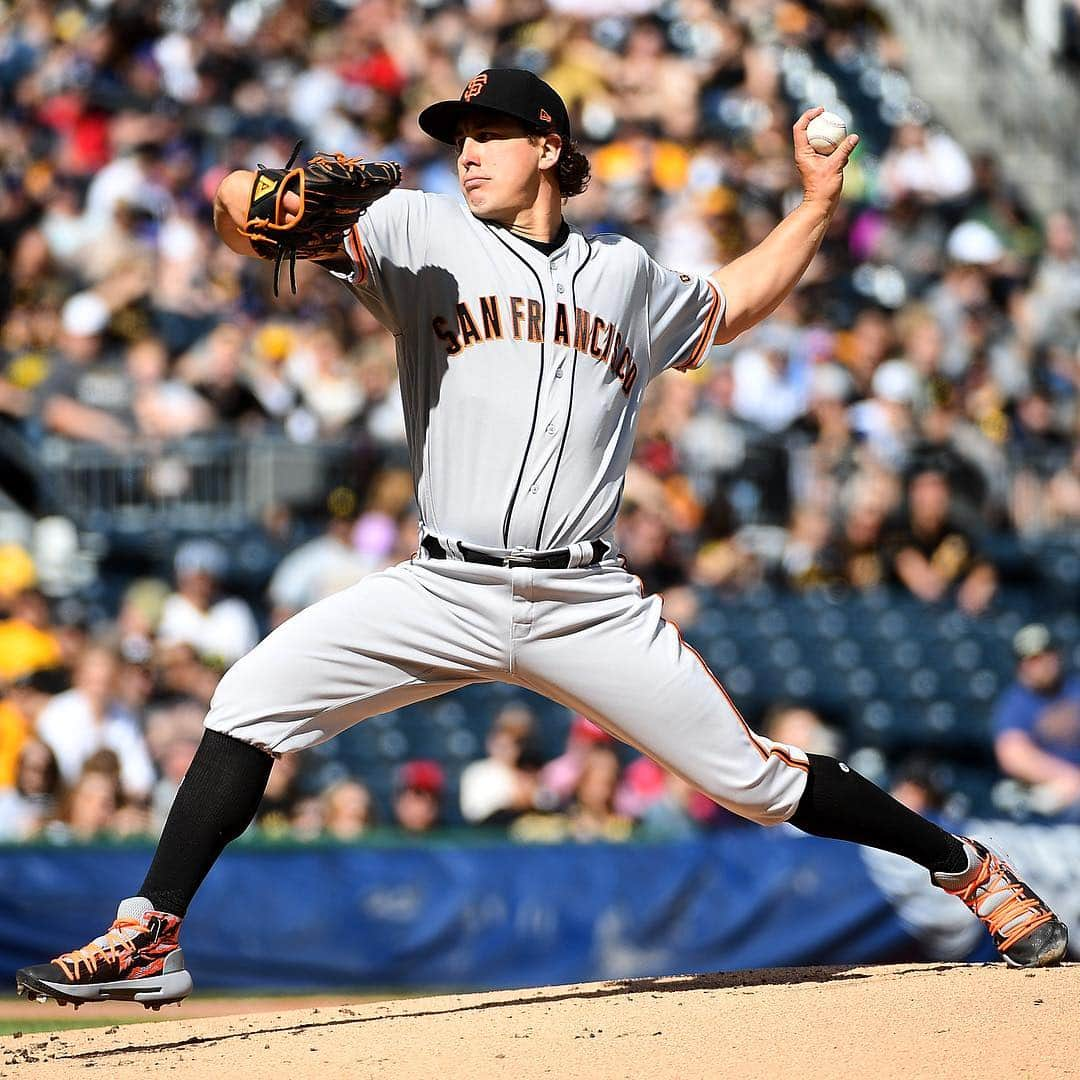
[{"x": 549, "y": 560}]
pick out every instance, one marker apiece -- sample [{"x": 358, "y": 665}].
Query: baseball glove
[{"x": 334, "y": 190}]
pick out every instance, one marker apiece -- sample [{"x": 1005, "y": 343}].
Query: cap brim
[{"x": 441, "y": 120}]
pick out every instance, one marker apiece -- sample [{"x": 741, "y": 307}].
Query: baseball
[{"x": 826, "y": 132}]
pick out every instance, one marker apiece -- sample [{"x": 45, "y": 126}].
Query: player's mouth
[{"x": 474, "y": 182}]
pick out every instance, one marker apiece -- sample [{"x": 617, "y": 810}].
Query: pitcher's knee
[{"x": 768, "y": 798}]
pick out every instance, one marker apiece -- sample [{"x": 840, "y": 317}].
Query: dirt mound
[{"x": 948, "y": 1021}]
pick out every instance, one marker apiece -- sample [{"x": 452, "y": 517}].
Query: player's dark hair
[{"x": 574, "y": 172}]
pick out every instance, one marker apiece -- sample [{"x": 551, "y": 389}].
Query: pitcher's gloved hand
[{"x": 330, "y": 193}]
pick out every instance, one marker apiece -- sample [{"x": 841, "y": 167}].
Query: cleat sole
[{"x": 165, "y": 989}]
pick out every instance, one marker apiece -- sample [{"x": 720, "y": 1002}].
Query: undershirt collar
[{"x": 547, "y": 248}]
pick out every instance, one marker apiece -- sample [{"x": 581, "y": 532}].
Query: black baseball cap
[{"x": 512, "y": 92}]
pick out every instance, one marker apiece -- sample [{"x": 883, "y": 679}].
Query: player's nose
[{"x": 470, "y": 150}]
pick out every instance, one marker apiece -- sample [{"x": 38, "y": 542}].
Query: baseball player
[{"x": 525, "y": 349}]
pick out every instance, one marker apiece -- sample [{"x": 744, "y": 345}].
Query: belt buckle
[{"x": 517, "y": 557}]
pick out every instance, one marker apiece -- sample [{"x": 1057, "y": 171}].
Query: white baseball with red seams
[
  {"x": 826, "y": 132},
  {"x": 522, "y": 375}
]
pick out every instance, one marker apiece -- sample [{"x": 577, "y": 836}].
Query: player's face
[{"x": 498, "y": 167}]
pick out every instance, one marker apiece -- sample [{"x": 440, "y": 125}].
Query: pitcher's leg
[
  {"x": 390, "y": 640},
  {"x": 620, "y": 662},
  {"x": 214, "y": 805},
  {"x": 610, "y": 655},
  {"x": 398, "y": 636},
  {"x": 360, "y": 652}
]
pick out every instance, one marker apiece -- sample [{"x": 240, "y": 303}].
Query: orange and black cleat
[
  {"x": 137, "y": 959},
  {"x": 1026, "y": 932}
]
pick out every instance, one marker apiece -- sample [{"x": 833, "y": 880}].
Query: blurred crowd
[{"x": 912, "y": 407}]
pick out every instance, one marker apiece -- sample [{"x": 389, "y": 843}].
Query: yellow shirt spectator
[
  {"x": 25, "y": 649},
  {"x": 13, "y": 732}
]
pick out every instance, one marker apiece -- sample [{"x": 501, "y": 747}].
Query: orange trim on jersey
[
  {"x": 776, "y": 751},
  {"x": 708, "y": 332},
  {"x": 361, "y": 257}
]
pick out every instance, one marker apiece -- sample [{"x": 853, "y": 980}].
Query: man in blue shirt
[{"x": 1037, "y": 722}]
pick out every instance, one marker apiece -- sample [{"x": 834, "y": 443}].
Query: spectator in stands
[
  {"x": 928, "y": 164},
  {"x": 591, "y": 815},
  {"x": 220, "y": 629},
  {"x": 349, "y": 810},
  {"x": 76, "y": 398},
  {"x": 1037, "y": 722},
  {"x": 323, "y": 565},
  {"x": 1056, "y": 288},
  {"x": 326, "y": 379},
  {"x": 502, "y": 786},
  {"x": 418, "y": 794},
  {"x": 173, "y": 761},
  {"x": 88, "y": 718},
  {"x": 20, "y": 708},
  {"x": 934, "y": 555},
  {"x": 28, "y": 642},
  {"x": 854, "y": 555},
  {"x": 214, "y": 367},
  {"x": 665, "y": 806},
  {"x": 559, "y": 777},
  {"x": 1042, "y": 455},
  {"x": 162, "y": 407},
  {"x": 31, "y": 801},
  {"x": 281, "y": 794},
  {"x": 308, "y": 818},
  {"x": 917, "y": 784},
  {"x": 90, "y": 807},
  {"x": 802, "y": 727}
]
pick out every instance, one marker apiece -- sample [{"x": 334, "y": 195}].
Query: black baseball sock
[
  {"x": 842, "y": 805},
  {"x": 215, "y": 803}
]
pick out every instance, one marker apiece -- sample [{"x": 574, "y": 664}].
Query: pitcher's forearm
[{"x": 755, "y": 284}]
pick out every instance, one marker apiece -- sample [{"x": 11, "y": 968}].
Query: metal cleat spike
[{"x": 43, "y": 998}]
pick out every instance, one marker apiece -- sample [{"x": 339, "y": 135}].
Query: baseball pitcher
[{"x": 525, "y": 349}]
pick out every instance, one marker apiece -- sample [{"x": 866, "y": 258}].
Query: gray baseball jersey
[
  {"x": 522, "y": 376},
  {"x": 522, "y": 373}
]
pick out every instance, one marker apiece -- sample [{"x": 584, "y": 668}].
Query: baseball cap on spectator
[
  {"x": 582, "y": 729},
  {"x": 17, "y": 570},
  {"x": 200, "y": 557},
  {"x": 896, "y": 381},
  {"x": 512, "y": 92},
  {"x": 974, "y": 243},
  {"x": 421, "y": 775},
  {"x": 830, "y": 382},
  {"x": 1032, "y": 640},
  {"x": 84, "y": 315}
]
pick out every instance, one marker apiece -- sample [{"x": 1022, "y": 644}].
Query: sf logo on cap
[{"x": 475, "y": 86}]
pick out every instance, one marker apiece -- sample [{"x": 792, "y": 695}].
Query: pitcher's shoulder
[{"x": 615, "y": 246}]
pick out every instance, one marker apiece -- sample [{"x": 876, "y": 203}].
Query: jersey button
[
  {"x": 558, "y": 373},
  {"x": 560, "y": 289},
  {"x": 533, "y": 490},
  {"x": 550, "y": 429}
]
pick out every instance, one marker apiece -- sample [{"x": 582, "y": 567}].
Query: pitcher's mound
[{"x": 947, "y": 1021}]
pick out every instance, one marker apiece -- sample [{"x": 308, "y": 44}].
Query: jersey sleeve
[
  {"x": 684, "y": 312},
  {"x": 388, "y": 248}
]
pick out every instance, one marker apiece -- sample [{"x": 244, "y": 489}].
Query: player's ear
[{"x": 550, "y": 149}]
